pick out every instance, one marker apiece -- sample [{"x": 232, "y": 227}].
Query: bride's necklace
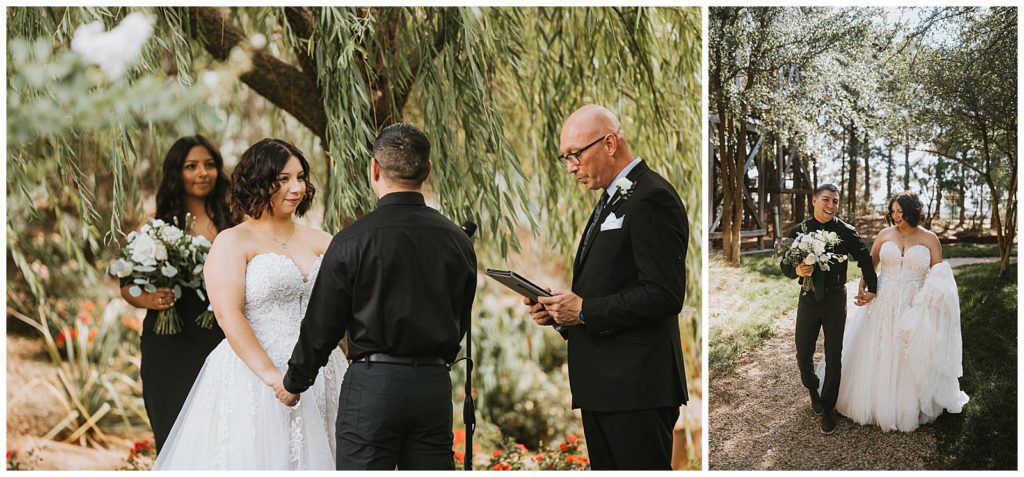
[{"x": 284, "y": 243}]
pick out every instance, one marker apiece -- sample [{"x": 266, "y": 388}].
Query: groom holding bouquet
[{"x": 823, "y": 300}]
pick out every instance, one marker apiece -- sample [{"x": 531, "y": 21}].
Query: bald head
[{"x": 600, "y": 162}]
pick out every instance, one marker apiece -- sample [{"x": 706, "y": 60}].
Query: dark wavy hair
[
  {"x": 170, "y": 195},
  {"x": 403, "y": 152},
  {"x": 911, "y": 205},
  {"x": 255, "y": 178}
]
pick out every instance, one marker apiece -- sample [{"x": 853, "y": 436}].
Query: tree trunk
[
  {"x": 962, "y": 199},
  {"x": 851, "y": 188},
  {"x": 889, "y": 173},
  {"x": 867, "y": 173},
  {"x": 906, "y": 167}
]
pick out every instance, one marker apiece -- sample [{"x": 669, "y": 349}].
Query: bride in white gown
[
  {"x": 902, "y": 351},
  {"x": 259, "y": 275}
]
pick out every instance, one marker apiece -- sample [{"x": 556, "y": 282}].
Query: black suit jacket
[{"x": 627, "y": 355}]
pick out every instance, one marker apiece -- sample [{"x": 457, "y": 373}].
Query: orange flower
[
  {"x": 88, "y": 306},
  {"x": 564, "y": 447},
  {"x": 502, "y": 466},
  {"x": 85, "y": 319},
  {"x": 572, "y": 439},
  {"x": 521, "y": 447},
  {"x": 92, "y": 334},
  {"x": 460, "y": 457},
  {"x": 460, "y": 436},
  {"x": 496, "y": 453}
]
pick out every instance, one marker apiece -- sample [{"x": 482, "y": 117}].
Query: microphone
[{"x": 469, "y": 227}]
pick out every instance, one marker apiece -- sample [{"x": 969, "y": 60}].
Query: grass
[
  {"x": 984, "y": 435},
  {"x": 963, "y": 250},
  {"x": 744, "y": 302}
]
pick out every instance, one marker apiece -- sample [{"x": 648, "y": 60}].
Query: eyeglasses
[{"x": 574, "y": 157}]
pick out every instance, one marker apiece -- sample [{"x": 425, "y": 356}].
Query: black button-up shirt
[
  {"x": 850, "y": 244},
  {"x": 399, "y": 281}
]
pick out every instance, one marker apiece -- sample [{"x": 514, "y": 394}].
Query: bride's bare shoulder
[
  {"x": 318, "y": 238},
  {"x": 235, "y": 238}
]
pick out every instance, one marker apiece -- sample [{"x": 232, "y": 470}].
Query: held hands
[
  {"x": 863, "y": 296},
  {"x": 275, "y": 379},
  {"x": 804, "y": 270}
]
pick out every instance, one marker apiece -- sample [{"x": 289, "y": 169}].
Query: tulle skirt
[
  {"x": 232, "y": 421},
  {"x": 902, "y": 354}
]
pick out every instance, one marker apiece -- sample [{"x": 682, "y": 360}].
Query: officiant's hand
[
  {"x": 804, "y": 270},
  {"x": 564, "y": 306},
  {"x": 538, "y": 313}
]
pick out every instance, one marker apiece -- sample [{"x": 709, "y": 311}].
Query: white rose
[
  {"x": 161, "y": 252},
  {"x": 144, "y": 250},
  {"x": 121, "y": 268},
  {"x": 171, "y": 234},
  {"x": 623, "y": 184},
  {"x": 158, "y": 223},
  {"x": 810, "y": 259},
  {"x": 819, "y": 248}
]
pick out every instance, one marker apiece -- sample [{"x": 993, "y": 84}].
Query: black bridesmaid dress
[{"x": 171, "y": 363}]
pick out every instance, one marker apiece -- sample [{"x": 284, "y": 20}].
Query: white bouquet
[
  {"x": 162, "y": 255},
  {"x": 811, "y": 248}
]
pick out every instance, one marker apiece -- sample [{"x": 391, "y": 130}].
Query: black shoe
[
  {"x": 828, "y": 423},
  {"x": 815, "y": 401}
]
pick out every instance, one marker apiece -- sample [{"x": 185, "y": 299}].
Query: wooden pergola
[{"x": 777, "y": 180}]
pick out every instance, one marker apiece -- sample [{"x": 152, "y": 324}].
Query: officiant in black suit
[
  {"x": 621, "y": 318},
  {"x": 400, "y": 283}
]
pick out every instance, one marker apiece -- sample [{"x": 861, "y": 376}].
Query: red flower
[
  {"x": 143, "y": 446},
  {"x": 521, "y": 447},
  {"x": 572, "y": 439},
  {"x": 502, "y": 466},
  {"x": 86, "y": 319},
  {"x": 460, "y": 436},
  {"x": 12, "y": 453},
  {"x": 460, "y": 457},
  {"x": 564, "y": 447},
  {"x": 538, "y": 457},
  {"x": 496, "y": 453}
]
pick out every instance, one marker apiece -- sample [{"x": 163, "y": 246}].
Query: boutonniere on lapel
[{"x": 623, "y": 189}]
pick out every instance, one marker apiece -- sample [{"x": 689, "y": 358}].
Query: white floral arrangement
[
  {"x": 624, "y": 188},
  {"x": 162, "y": 255},
  {"x": 811, "y": 248}
]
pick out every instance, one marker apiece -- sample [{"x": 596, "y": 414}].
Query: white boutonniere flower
[{"x": 623, "y": 189}]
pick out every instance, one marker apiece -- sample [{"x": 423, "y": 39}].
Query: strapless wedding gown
[
  {"x": 231, "y": 420},
  {"x": 902, "y": 351}
]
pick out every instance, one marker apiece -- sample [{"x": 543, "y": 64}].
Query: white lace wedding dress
[
  {"x": 231, "y": 420},
  {"x": 902, "y": 351}
]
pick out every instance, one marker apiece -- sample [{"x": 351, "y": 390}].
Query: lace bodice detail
[
  {"x": 276, "y": 296},
  {"x": 909, "y": 266}
]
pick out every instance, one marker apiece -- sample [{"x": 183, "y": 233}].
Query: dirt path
[{"x": 761, "y": 418}]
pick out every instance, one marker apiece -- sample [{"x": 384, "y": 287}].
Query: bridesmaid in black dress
[{"x": 193, "y": 182}]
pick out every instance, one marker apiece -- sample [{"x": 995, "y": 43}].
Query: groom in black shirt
[
  {"x": 400, "y": 283},
  {"x": 825, "y": 307}
]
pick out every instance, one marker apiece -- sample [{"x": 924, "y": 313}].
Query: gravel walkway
[{"x": 760, "y": 417}]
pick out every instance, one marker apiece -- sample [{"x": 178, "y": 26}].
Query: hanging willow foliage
[{"x": 490, "y": 86}]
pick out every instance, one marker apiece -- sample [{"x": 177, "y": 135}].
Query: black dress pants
[
  {"x": 811, "y": 317},
  {"x": 630, "y": 440},
  {"x": 395, "y": 416}
]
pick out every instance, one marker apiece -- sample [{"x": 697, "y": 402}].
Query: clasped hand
[
  {"x": 563, "y": 308},
  {"x": 863, "y": 296},
  {"x": 276, "y": 382}
]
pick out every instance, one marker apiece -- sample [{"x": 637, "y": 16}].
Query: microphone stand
[{"x": 468, "y": 406}]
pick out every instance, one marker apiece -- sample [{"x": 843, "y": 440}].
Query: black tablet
[{"x": 518, "y": 284}]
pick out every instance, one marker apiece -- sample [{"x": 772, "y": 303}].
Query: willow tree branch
[{"x": 279, "y": 82}]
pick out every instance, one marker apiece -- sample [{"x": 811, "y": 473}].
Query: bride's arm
[
  {"x": 932, "y": 242},
  {"x": 225, "y": 284}
]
